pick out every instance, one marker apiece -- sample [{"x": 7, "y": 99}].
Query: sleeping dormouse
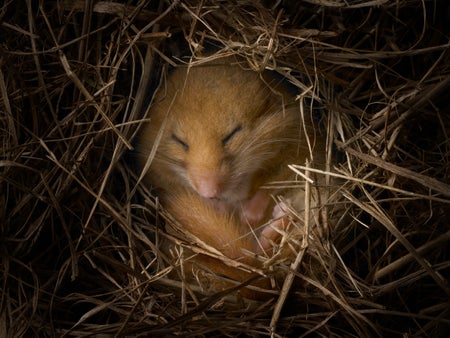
[{"x": 220, "y": 133}]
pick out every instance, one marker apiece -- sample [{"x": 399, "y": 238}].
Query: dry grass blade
[
  {"x": 289, "y": 279},
  {"x": 405, "y": 259},
  {"x": 374, "y": 210},
  {"x": 424, "y": 180}
]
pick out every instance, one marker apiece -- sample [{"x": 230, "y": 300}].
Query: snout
[{"x": 207, "y": 184}]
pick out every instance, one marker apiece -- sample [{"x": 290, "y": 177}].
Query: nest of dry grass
[{"x": 79, "y": 237}]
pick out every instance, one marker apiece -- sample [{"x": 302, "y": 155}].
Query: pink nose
[{"x": 207, "y": 185}]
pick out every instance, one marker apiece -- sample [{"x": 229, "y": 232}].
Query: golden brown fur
[{"x": 221, "y": 133}]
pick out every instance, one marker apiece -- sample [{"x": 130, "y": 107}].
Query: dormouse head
[{"x": 221, "y": 125}]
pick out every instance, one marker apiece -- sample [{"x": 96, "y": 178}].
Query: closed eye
[
  {"x": 180, "y": 142},
  {"x": 227, "y": 138}
]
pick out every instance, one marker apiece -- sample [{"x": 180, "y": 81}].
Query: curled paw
[{"x": 273, "y": 231}]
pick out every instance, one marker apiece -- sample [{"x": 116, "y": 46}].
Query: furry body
[{"x": 219, "y": 134}]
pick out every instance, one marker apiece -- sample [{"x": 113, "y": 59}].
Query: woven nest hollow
[{"x": 81, "y": 236}]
